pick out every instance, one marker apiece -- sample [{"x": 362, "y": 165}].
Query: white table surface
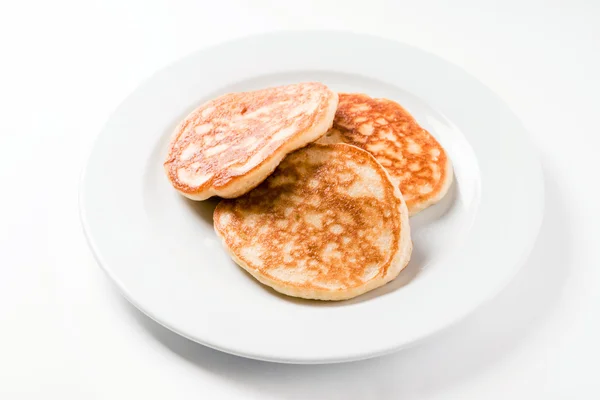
[{"x": 66, "y": 333}]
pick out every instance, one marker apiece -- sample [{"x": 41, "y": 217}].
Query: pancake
[
  {"x": 230, "y": 144},
  {"x": 409, "y": 153},
  {"x": 328, "y": 224}
]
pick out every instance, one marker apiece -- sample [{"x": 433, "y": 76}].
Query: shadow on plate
[
  {"x": 453, "y": 356},
  {"x": 203, "y": 209}
]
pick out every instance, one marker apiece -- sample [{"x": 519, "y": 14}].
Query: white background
[{"x": 66, "y": 333}]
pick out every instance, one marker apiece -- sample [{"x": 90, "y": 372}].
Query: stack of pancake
[{"x": 317, "y": 186}]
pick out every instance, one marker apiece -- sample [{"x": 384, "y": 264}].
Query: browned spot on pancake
[
  {"x": 411, "y": 155},
  {"x": 314, "y": 217},
  {"x": 231, "y": 135}
]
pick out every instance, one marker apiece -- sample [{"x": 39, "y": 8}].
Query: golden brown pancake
[
  {"x": 328, "y": 224},
  {"x": 409, "y": 153},
  {"x": 230, "y": 144}
]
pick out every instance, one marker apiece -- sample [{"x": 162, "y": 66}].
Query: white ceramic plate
[{"x": 161, "y": 250}]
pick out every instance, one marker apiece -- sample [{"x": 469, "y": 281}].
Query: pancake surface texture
[
  {"x": 409, "y": 153},
  {"x": 229, "y": 145},
  {"x": 328, "y": 224}
]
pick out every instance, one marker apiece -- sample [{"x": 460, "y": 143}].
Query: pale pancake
[
  {"x": 328, "y": 224},
  {"x": 411, "y": 155},
  {"x": 230, "y": 144}
]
